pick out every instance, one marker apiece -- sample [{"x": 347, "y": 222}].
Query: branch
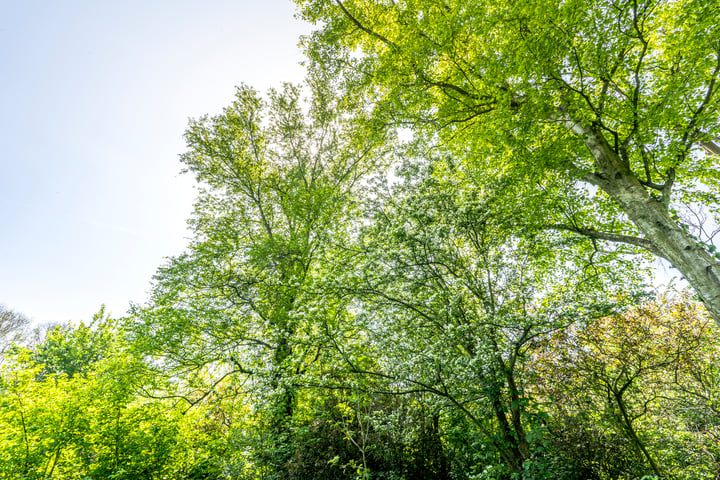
[
  {"x": 611, "y": 237},
  {"x": 710, "y": 146},
  {"x": 489, "y": 101},
  {"x": 239, "y": 367},
  {"x": 191, "y": 402},
  {"x": 362, "y": 27}
]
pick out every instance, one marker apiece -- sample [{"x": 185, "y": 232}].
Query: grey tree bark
[{"x": 662, "y": 235}]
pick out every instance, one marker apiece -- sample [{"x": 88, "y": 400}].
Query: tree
[
  {"x": 75, "y": 349},
  {"x": 241, "y": 302},
  {"x": 640, "y": 375},
  {"x": 12, "y": 328},
  {"x": 617, "y": 95},
  {"x": 451, "y": 302}
]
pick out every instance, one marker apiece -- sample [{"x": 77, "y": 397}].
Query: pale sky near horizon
[{"x": 95, "y": 97}]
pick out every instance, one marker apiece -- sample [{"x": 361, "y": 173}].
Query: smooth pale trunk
[{"x": 652, "y": 218}]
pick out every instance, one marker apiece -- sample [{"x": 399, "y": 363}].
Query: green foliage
[
  {"x": 451, "y": 301},
  {"x": 489, "y": 71},
  {"x": 78, "y": 414},
  {"x": 632, "y": 378},
  {"x": 596, "y": 112},
  {"x": 74, "y": 350}
]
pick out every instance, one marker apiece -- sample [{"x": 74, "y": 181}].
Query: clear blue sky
[{"x": 95, "y": 96}]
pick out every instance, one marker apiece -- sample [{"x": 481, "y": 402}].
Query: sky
[{"x": 94, "y": 98}]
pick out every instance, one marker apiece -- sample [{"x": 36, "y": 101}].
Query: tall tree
[
  {"x": 618, "y": 95},
  {"x": 277, "y": 178},
  {"x": 641, "y": 375},
  {"x": 452, "y": 302}
]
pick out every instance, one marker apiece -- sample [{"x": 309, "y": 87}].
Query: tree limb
[{"x": 610, "y": 237}]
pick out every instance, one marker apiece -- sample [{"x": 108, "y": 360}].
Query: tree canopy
[{"x": 620, "y": 96}]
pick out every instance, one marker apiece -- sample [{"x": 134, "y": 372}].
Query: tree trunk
[
  {"x": 509, "y": 449},
  {"x": 627, "y": 425},
  {"x": 668, "y": 240}
]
